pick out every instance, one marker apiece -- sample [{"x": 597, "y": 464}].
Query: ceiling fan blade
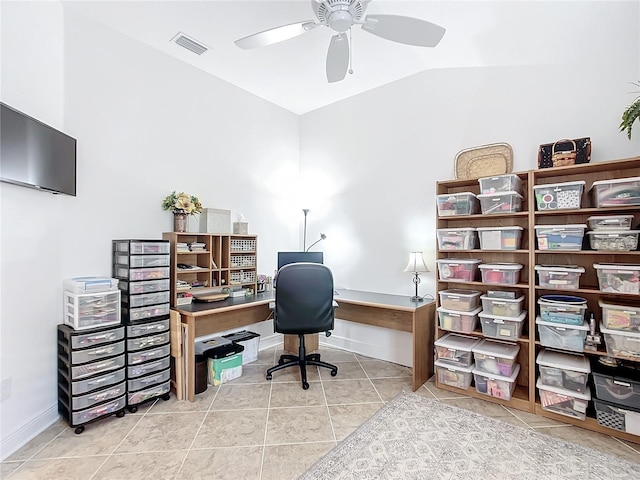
[
  {"x": 275, "y": 35},
  {"x": 337, "y": 58},
  {"x": 407, "y": 30}
]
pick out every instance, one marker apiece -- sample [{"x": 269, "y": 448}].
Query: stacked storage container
[
  {"x": 617, "y": 397},
  {"x": 454, "y": 359},
  {"x": 459, "y": 310},
  {"x": 143, "y": 269},
  {"x": 496, "y": 368}
]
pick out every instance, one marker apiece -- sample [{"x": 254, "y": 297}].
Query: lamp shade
[{"x": 416, "y": 263}]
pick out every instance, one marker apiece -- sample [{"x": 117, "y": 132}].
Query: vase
[{"x": 180, "y": 222}]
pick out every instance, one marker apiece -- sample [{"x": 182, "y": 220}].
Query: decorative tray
[{"x": 484, "y": 161}]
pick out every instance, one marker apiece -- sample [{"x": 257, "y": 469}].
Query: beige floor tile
[
  {"x": 201, "y": 403},
  {"x": 288, "y": 462},
  {"x": 252, "y": 374},
  {"x": 346, "y": 371},
  {"x": 237, "y": 397},
  {"x": 389, "y": 388},
  {"x": 232, "y": 429},
  {"x": 162, "y": 432},
  {"x": 442, "y": 394},
  {"x": 345, "y": 419},
  {"x": 292, "y": 374},
  {"x": 266, "y": 357},
  {"x": 80, "y": 468},
  {"x": 382, "y": 369},
  {"x": 480, "y": 406},
  {"x": 340, "y": 392},
  {"x": 333, "y": 355},
  {"x": 298, "y": 425},
  {"x": 7, "y": 468},
  {"x": 141, "y": 466},
  {"x": 35, "y": 445},
  {"x": 99, "y": 438},
  {"x": 293, "y": 395},
  {"x": 222, "y": 464}
]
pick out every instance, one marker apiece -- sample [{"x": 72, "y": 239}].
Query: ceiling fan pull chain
[{"x": 350, "y": 55}]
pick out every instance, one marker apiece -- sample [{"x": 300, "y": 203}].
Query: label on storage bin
[{"x": 580, "y": 406}]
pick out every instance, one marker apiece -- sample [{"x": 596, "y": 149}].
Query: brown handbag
[{"x": 565, "y": 157}]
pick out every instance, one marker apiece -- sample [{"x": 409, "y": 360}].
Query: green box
[{"x": 224, "y": 363}]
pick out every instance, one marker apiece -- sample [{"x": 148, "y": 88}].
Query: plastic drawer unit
[
  {"x": 618, "y": 278},
  {"x": 140, "y": 261},
  {"x": 620, "y": 317},
  {"x": 495, "y": 358},
  {"x": 610, "y": 222},
  {"x": 464, "y": 203},
  {"x": 616, "y": 193},
  {"x": 564, "y": 402},
  {"x": 500, "y": 238},
  {"x": 563, "y": 337},
  {"x": 500, "y": 202},
  {"x": 504, "y": 307},
  {"x": 501, "y": 273},
  {"x": 612, "y": 415},
  {"x": 457, "y": 238},
  {"x": 497, "y": 386},
  {"x": 454, "y": 375},
  {"x": 564, "y": 370},
  {"x": 563, "y": 309},
  {"x": 453, "y": 349},
  {"x": 463, "y": 322},
  {"x": 92, "y": 310},
  {"x": 559, "y": 196},
  {"x": 621, "y": 344},
  {"x": 503, "y": 328},
  {"x": 509, "y": 182},
  {"x": 560, "y": 237},
  {"x": 463, "y": 269},
  {"x": 620, "y": 390},
  {"x": 560, "y": 277},
  {"x": 150, "y": 286},
  {"x": 145, "y": 299},
  {"x": 141, "y": 247},
  {"x": 459, "y": 299}
]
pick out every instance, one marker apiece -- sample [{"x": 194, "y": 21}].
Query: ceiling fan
[{"x": 340, "y": 16}]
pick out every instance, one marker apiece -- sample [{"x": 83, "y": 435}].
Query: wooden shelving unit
[{"x": 525, "y": 397}]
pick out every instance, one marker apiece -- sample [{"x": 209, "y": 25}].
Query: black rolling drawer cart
[
  {"x": 91, "y": 374},
  {"x": 143, "y": 270}
]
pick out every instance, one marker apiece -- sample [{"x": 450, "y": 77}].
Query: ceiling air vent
[{"x": 189, "y": 43}]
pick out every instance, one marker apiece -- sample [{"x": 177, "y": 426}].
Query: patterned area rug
[{"x": 412, "y": 437}]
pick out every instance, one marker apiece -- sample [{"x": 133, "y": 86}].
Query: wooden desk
[{"x": 389, "y": 311}]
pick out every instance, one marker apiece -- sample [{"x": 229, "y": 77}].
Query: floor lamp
[{"x": 416, "y": 266}]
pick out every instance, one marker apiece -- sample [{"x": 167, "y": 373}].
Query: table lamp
[{"x": 416, "y": 265}]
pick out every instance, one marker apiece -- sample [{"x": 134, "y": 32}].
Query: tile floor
[{"x": 252, "y": 429}]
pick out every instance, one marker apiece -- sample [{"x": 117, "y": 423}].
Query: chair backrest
[{"x": 304, "y": 299}]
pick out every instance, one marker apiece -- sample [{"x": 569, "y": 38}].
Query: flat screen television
[
  {"x": 284, "y": 258},
  {"x": 35, "y": 155}
]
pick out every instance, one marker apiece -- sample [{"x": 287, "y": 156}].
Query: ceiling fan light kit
[{"x": 340, "y": 16}]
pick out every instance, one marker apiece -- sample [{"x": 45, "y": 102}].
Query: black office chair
[{"x": 304, "y": 304}]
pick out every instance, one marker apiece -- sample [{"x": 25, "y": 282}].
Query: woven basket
[
  {"x": 564, "y": 158},
  {"x": 484, "y": 161}
]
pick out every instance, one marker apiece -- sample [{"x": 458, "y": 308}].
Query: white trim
[{"x": 13, "y": 442}]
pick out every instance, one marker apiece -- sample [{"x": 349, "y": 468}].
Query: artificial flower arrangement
[{"x": 182, "y": 203}]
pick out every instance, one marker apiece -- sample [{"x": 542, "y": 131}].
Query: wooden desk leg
[
  {"x": 291, "y": 343},
  {"x": 423, "y": 330},
  {"x": 190, "y": 360}
]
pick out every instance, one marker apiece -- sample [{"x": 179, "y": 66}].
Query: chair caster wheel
[
  {"x": 269, "y": 376},
  {"x": 165, "y": 397},
  {"x": 334, "y": 372},
  {"x": 133, "y": 409},
  {"x": 305, "y": 385},
  {"x": 120, "y": 414},
  {"x": 79, "y": 430}
]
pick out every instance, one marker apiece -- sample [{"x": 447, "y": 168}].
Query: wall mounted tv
[{"x": 35, "y": 155}]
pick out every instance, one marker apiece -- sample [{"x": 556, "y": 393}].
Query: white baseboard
[
  {"x": 369, "y": 350},
  {"x": 272, "y": 340},
  {"x": 14, "y": 441}
]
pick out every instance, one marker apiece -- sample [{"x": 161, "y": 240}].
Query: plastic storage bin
[
  {"x": 564, "y": 402},
  {"x": 500, "y": 238},
  {"x": 564, "y": 370},
  {"x": 80, "y": 285},
  {"x": 459, "y": 299},
  {"x": 563, "y": 309},
  {"x": 618, "y": 278},
  {"x": 564, "y": 337},
  {"x": 457, "y": 238},
  {"x": 620, "y": 317},
  {"x": 509, "y": 182},
  {"x": 622, "y": 391},
  {"x": 497, "y": 386},
  {"x": 495, "y": 358},
  {"x": 504, "y": 307},
  {"x": 621, "y": 344},
  {"x": 503, "y": 328},
  {"x": 558, "y": 196},
  {"x": 136, "y": 274},
  {"x": 618, "y": 192},
  {"x": 614, "y": 240},
  {"x": 560, "y": 237},
  {"x": 454, "y": 375},
  {"x": 91, "y": 310},
  {"x": 250, "y": 341},
  {"x": 224, "y": 363},
  {"x": 506, "y": 273},
  {"x": 137, "y": 261},
  {"x": 611, "y": 415},
  {"x": 141, "y": 247},
  {"x": 562, "y": 277},
  {"x": 610, "y": 222},
  {"x": 458, "y": 268},
  {"x": 505, "y": 202},
  {"x": 452, "y": 204},
  {"x": 464, "y": 322},
  {"x": 150, "y": 286},
  {"x": 453, "y": 349}
]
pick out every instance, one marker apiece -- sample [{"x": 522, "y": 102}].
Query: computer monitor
[{"x": 284, "y": 258}]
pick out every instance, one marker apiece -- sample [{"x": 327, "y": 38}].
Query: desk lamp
[
  {"x": 416, "y": 265},
  {"x": 322, "y": 237}
]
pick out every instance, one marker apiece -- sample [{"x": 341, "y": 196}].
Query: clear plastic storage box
[
  {"x": 504, "y": 307},
  {"x": 459, "y": 299},
  {"x": 505, "y": 202},
  {"x": 457, "y": 238},
  {"x": 91, "y": 310},
  {"x": 564, "y": 402},
  {"x": 505, "y": 273},
  {"x": 618, "y": 278},
  {"x": 495, "y": 358},
  {"x": 562, "y": 277},
  {"x": 509, "y": 182},
  {"x": 500, "y": 238},
  {"x": 563, "y": 337},
  {"x": 137, "y": 261},
  {"x": 615, "y": 193},
  {"x": 452, "y": 204},
  {"x": 458, "y": 268},
  {"x": 563, "y": 309},
  {"x": 497, "y": 386},
  {"x": 559, "y": 196},
  {"x": 503, "y": 328},
  {"x": 620, "y": 317},
  {"x": 136, "y": 274},
  {"x": 135, "y": 288},
  {"x": 454, "y": 349},
  {"x": 454, "y": 375},
  {"x": 564, "y": 370},
  {"x": 614, "y": 240},
  {"x": 80, "y": 285},
  {"x": 560, "y": 237},
  {"x": 621, "y": 344},
  {"x": 456, "y": 321},
  {"x": 141, "y": 247},
  {"x": 610, "y": 222}
]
